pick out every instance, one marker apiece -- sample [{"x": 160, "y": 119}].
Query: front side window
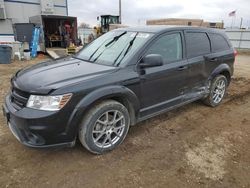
[
  {"x": 197, "y": 44},
  {"x": 168, "y": 46},
  {"x": 113, "y": 48}
]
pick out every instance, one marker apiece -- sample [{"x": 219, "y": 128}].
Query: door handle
[
  {"x": 211, "y": 59},
  {"x": 181, "y": 68}
]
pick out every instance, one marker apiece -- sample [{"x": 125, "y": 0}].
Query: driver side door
[{"x": 164, "y": 86}]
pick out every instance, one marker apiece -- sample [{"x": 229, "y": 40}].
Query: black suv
[{"x": 121, "y": 78}]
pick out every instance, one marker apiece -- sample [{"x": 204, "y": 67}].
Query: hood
[{"x": 47, "y": 76}]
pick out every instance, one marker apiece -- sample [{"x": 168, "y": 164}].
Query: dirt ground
[{"x": 193, "y": 146}]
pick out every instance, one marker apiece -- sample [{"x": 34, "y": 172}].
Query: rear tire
[
  {"x": 104, "y": 127},
  {"x": 217, "y": 91}
]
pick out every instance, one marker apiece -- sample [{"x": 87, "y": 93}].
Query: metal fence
[{"x": 239, "y": 38}]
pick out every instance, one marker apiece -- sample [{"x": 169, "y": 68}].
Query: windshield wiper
[
  {"x": 95, "y": 52},
  {"x": 130, "y": 45},
  {"x": 115, "y": 38},
  {"x": 127, "y": 50},
  {"x": 106, "y": 45}
]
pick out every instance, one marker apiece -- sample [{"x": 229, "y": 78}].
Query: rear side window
[
  {"x": 197, "y": 44},
  {"x": 169, "y": 46},
  {"x": 218, "y": 42}
]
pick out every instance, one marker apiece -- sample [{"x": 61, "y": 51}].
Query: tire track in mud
[
  {"x": 238, "y": 84},
  {"x": 210, "y": 157}
]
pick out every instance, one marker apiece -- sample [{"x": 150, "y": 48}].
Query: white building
[
  {"x": 19, "y": 11},
  {"x": 84, "y": 33}
]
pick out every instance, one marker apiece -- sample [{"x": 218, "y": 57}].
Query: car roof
[{"x": 164, "y": 28}]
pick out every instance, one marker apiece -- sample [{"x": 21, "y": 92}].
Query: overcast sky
[{"x": 136, "y": 12}]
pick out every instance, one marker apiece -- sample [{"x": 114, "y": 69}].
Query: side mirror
[{"x": 151, "y": 60}]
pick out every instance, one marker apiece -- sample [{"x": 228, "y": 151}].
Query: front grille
[{"x": 19, "y": 98}]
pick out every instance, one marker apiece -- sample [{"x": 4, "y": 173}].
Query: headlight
[{"x": 48, "y": 103}]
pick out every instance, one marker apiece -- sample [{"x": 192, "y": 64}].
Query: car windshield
[{"x": 113, "y": 48}]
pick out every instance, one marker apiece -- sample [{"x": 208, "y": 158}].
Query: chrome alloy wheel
[
  {"x": 219, "y": 91},
  {"x": 108, "y": 128}
]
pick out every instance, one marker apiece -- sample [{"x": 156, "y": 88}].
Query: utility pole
[
  {"x": 120, "y": 11},
  {"x": 241, "y": 20}
]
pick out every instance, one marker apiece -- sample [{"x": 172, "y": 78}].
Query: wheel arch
[
  {"x": 223, "y": 69},
  {"x": 227, "y": 75},
  {"x": 120, "y": 94}
]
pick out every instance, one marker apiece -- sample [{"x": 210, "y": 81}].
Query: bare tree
[{"x": 84, "y": 25}]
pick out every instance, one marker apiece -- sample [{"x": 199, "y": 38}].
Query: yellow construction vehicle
[{"x": 105, "y": 21}]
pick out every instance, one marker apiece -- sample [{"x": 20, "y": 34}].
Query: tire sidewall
[
  {"x": 86, "y": 127},
  {"x": 213, "y": 86}
]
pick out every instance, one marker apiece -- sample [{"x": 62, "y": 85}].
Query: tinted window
[
  {"x": 197, "y": 44},
  {"x": 169, "y": 46},
  {"x": 218, "y": 42}
]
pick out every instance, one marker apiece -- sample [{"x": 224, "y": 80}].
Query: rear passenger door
[
  {"x": 222, "y": 52},
  {"x": 197, "y": 46}
]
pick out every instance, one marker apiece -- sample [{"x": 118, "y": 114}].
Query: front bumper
[{"x": 38, "y": 129}]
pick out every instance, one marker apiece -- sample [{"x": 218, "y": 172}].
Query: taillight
[{"x": 235, "y": 53}]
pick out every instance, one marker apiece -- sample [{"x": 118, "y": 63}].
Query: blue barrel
[
  {"x": 5, "y": 54},
  {"x": 35, "y": 41}
]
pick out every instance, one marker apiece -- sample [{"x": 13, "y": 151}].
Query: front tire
[
  {"x": 104, "y": 127},
  {"x": 217, "y": 91}
]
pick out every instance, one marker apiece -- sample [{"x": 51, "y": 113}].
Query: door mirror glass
[{"x": 151, "y": 60}]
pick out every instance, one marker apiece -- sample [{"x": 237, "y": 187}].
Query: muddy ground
[{"x": 193, "y": 146}]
